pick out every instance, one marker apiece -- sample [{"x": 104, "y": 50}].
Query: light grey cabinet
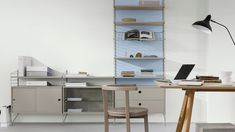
[
  {"x": 45, "y": 100},
  {"x": 23, "y": 100},
  {"x": 49, "y": 100}
]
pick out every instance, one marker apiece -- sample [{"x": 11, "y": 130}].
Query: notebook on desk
[{"x": 182, "y": 74}]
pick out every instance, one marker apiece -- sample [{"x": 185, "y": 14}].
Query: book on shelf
[
  {"x": 37, "y": 83},
  {"x": 74, "y": 99},
  {"x": 146, "y": 72},
  {"x": 150, "y": 56},
  {"x": 127, "y": 73},
  {"x": 38, "y": 71},
  {"x": 136, "y": 34},
  {"x": 74, "y": 110},
  {"x": 80, "y": 84},
  {"x": 151, "y": 3}
]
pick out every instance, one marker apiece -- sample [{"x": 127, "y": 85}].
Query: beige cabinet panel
[
  {"x": 153, "y": 106},
  {"x": 23, "y": 100},
  {"x": 143, "y": 93},
  {"x": 49, "y": 100}
]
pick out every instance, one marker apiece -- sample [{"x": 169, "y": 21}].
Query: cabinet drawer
[
  {"x": 143, "y": 93},
  {"x": 152, "y": 106}
]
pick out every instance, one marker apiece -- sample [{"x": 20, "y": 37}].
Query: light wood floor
[{"x": 170, "y": 127}]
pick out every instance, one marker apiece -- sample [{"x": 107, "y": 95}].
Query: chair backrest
[{"x": 118, "y": 87}]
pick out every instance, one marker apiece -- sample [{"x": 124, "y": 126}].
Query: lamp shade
[{"x": 203, "y": 25}]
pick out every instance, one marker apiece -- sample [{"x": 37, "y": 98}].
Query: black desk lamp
[{"x": 204, "y": 26}]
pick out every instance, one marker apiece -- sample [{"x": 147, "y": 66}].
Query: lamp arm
[{"x": 225, "y": 28}]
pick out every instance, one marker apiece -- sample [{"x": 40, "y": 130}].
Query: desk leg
[
  {"x": 182, "y": 113},
  {"x": 188, "y": 112}
]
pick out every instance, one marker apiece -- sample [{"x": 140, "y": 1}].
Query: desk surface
[{"x": 204, "y": 87}]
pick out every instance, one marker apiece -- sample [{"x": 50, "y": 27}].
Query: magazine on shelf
[{"x": 139, "y": 35}]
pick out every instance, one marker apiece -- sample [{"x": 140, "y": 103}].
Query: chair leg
[
  {"x": 106, "y": 123},
  {"x": 146, "y": 126},
  {"x": 128, "y": 127}
]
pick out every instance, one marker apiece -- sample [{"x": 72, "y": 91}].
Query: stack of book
[
  {"x": 128, "y": 73},
  {"x": 38, "y": 71},
  {"x": 14, "y": 79},
  {"x": 37, "y": 83},
  {"x": 146, "y": 72},
  {"x": 209, "y": 79},
  {"x": 79, "y": 84}
]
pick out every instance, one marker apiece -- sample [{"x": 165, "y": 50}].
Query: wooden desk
[{"x": 187, "y": 106}]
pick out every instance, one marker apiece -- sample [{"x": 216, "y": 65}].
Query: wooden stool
[{"x": 123, "y": 112}]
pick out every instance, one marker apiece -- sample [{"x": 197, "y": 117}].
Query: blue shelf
[{"x": 148, "y": 19}]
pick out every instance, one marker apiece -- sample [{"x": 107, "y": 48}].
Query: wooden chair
[{"x": 123, "y": 112}]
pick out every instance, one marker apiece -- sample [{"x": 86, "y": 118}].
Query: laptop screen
[{"x": 184, "y": 71}]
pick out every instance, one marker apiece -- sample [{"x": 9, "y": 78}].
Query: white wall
[
  {"x": 183, "y": 44},
  {"x": 221, "y": 52},
  {"x": 73, "y": 34},
  {"x": 78, "y": 35}
]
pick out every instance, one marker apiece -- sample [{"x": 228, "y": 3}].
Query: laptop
[
  {"x": 184, "y": 71},
  {"x": 182, "y": 74}
]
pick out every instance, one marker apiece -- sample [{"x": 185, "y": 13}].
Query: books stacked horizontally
[
  {"x": 146, "y": 72},
  {"x": 139, "y": 35},
  {"x": 209, "y": 79},
  {"x": 14, "y": 79},
  {"x": 76, "y": 84},
  {"x": 127, "y": 73},
  {"x": 37, "y": 83},
  {"x": 38, "y": 71}
]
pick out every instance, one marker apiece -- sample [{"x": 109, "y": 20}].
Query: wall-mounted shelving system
[
  {"x": 148, "y": 18},
  {"x": 58, "y": 98}
]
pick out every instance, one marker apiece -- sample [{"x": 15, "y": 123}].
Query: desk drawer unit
[
  {"x": 150, "y": 97},
  {"x": 143, "y": 93}
]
